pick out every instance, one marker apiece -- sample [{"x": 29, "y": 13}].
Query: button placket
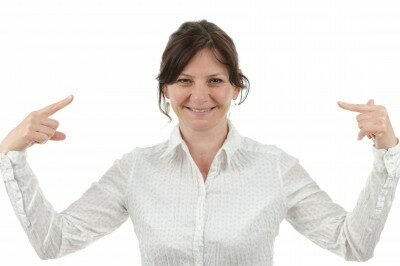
[
  {"x": 198, "y": 234},
  {"x": 198, "y": 242}
]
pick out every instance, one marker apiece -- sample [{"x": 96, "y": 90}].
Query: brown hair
[{"x": 183, "y": 44}]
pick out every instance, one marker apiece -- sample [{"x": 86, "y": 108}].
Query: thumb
[
  {"x": 58, "y": 136},
  {"x": 370, "y": 102}
]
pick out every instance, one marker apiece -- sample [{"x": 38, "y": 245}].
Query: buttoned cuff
[{"x": 388, "y": 159}]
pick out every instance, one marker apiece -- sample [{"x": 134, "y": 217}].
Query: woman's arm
[
  {"x": 99, "y": 211},
  {"x": 351, "y": 235}
]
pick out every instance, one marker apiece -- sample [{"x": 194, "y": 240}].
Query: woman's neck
[{"x": 204, "y": 144}]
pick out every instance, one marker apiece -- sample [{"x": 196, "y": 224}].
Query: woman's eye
[
  {"x": 182, "y": 80},
  {"x": 220, "y": 80}
]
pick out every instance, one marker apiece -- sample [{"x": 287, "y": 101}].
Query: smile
[{"x": 200, "y": 111}]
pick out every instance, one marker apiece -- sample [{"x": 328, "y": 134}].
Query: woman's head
[{"x": 200, "y": 49}]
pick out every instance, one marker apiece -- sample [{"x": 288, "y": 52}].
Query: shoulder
[
  {"x": 270, "y": 150},
  {"x": 148, "y": 152},
  {"x": 251, "y": 145}
]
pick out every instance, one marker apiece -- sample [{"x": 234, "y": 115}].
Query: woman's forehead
[
  {"x": 205, "y": 64},
  {"x": 218, "y": 73}
]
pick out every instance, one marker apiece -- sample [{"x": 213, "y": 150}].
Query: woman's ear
[
  {"x": 236, "y": 91},
  {"x": 165, "y": 91}
]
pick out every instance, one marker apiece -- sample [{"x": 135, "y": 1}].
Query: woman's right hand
[{"x": 37, "y": 127}]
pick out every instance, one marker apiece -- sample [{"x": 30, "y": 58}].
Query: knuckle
[
  {"x": 383, "y": 109},
  {"x": 30, "y": 118},
  {"x": 33, "y": 113},
  {"x": 43, "y": 138},
  {"x": 33, "y": 120}
]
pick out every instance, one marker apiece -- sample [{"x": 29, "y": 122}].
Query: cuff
[{"x": 388, "y": 159}]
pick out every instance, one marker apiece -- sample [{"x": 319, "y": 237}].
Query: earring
[{"x": 167, "y": 105}]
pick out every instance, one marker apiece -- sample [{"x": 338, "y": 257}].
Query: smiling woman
[
  {"x": 199, "y": 102},
  {"x": 200, "y": 41}
]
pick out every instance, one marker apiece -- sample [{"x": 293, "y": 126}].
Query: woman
[{"x": 207, "y": 195}]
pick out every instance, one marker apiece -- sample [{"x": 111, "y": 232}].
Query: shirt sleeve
[
  {"x": 351, "y": 235},
  {"x": 98, "y": 212}
]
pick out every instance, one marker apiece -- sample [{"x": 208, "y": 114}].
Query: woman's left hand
[{"x": 374, "y": 122}]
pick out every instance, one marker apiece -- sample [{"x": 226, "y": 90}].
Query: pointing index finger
[
  {"x": 52, "y": 108},
  {"x": 356, "y": 107}
]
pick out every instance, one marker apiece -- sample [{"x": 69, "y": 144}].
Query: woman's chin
[{"x": 200, "y": 124}]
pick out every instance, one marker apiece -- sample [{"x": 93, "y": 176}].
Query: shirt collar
[{"x": 230, "y": 144}]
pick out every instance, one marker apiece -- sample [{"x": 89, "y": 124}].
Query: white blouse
[{"x": 232, "y": 218}]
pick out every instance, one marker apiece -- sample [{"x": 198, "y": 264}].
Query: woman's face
[{"x": 203, "y": 84}]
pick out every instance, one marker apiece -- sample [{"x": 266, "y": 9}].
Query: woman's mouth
[{"x": 200, "y": 111}]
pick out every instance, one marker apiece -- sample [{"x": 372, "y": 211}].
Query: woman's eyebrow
[{"x": 183, "y": 74}]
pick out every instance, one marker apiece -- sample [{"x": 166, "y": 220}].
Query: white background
[{"x": 301, "y": 58}]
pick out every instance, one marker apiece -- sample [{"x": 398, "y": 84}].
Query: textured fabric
[{"x": 232, "y": 218}]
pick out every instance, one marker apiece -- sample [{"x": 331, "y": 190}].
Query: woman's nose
[{"x": 200, "y": 92}]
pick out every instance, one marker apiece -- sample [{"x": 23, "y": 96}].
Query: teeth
[{"x": 200, "y": 110}]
